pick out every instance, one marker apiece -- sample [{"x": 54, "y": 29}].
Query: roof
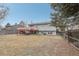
[
  {"x": 47, "y": 28},
  {"x": 42, "y": 23}
]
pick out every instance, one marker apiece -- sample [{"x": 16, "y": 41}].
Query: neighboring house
[
  {"x": 43, "y": 28},
  {"x": 0, "y": 27},
  {"x": 9, "y": 29}
]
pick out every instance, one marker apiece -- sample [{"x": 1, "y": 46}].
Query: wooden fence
[{"x": 72, "y": 40}]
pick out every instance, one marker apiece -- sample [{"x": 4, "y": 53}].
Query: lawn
[{"x": 26, "y": 45}]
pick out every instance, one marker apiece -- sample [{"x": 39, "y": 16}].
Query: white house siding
[
  {"x": 75, "y": 27},
  {"x": 46, "y": 29}
]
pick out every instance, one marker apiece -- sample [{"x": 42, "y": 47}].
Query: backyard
[{"x": 35, "y": 45}]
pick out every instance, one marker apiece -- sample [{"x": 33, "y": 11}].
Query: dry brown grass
[{"x": 34, "y": 45}]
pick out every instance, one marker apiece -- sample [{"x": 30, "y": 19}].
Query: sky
[{"x": 28, "y": 12}]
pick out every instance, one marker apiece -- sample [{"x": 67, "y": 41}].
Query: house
[{"x": 45, "y": 28}]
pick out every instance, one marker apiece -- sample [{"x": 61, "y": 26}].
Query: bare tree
[{"x": 3, "y": 12}]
